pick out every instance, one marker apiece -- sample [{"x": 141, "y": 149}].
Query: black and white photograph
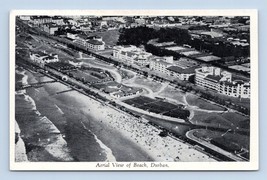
[{"x": 133, "y": 90}]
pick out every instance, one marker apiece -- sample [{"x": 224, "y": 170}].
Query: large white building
[
  {"x": 221, "y": 81},
  {"x": 160, "y": 64},
  {"x": 42, "y": 58},
  {"x": 90, "y": 44},
  {"x": 181, "y": 69},
  {"x": 132, "y": 55},
  {"x": 50, "y": 28}
]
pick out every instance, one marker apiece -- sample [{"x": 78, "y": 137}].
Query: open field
[
  {"x": 174, "y": 94},
  {"x": 110, "y": 37},
  {"x": 228, "y": 119},
  {"x": 235, "y": 143},
  {"x": 85, "y": 76},
  {"x": 114, "y": 87},
  {"x": 202, "y": 104},
  {"x": 154, "y": 86},
  {"x": 159, "y": 106},
  {"x": 237, "y": 119}
]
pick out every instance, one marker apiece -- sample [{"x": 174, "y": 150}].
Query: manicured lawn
[
  {"x": 154, "y": 86},
  {"x": 202, "y": 104},
  {"x": 212, "y": 119},
  {"x": 159, "y": 107},
  {"x": 237, "y": 119},
  {"x": 230, "y": 142},
  {"x": 87, "y": 77},
  {"x": 228, "y": 119},
  {"x": 174, "y": 94},
  {"x": 110, "y": 37}
]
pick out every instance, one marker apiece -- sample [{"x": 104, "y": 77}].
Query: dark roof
[
  {"x": 72, "y": 31},
  {"x": 51, "y": 24},
  {"x": 94, "y": 42},
  {"x": 40, "y": 53},
  {"x": 56, "y": 17},
  {"x": 130, "y": 54},
  {"x": 40, "y": 17},
  {"x": 93, "y": 37},
  {"x": 181, "y": 70},
  {"x": 213, "y": 78}
]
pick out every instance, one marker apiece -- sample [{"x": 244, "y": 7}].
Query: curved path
[{"x": 116, "y": 75}]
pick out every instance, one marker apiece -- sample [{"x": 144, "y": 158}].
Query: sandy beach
[{"x": 97, "y": 132}]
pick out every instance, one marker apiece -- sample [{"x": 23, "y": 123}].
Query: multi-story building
[
  {"x": 50, "y": 28},
  {"x": 221, "y": 81},
  {"x": 132, "y": 55},
  {"x": 95, "y": 44},
  {"x": 183, "y": 69},
  {"x": 91, "y": 43},
  {"x": 38, "y": 20},
  {"x": 160, "y": 64},
  {"x": 42, "y": 58},
  {"x": 58, "y": 20}
]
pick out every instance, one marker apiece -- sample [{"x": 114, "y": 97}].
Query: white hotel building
[
  {"x": 90, "y": 44},
  {"x": 132, "y": 55},
  {"x": 216, "y": 79},
  {"x": 160, "y": 64},
  {"x": 181, "y": 69}
]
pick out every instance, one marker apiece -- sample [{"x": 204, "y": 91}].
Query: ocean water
[{"x": 49, "y": 133}]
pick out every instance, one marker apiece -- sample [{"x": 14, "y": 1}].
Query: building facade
[
  {"x": 160, "y": 65},
  {"x": 90, "y": 44},
  {"x": 132, "y": 55},
  {"x": 220, "y": 81},
  {"x": 43, "y": 58},
  {"x": 50, "y": 28}
]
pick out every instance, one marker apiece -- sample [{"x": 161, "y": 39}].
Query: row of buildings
[
  {"x": 208, "y": 77},
  {"x": 94, "y": 23},
  {"x": 182, "y": 69}
]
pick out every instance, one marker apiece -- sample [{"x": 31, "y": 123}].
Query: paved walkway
[{"x": 190, "y": 135}]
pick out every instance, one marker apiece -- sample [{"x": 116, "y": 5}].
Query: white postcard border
[{"x": 253, "y": 164}]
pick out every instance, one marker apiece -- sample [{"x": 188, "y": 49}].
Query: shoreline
[
  {"x": 20, "y": 148},
  {"x": 159, "y": 148}
]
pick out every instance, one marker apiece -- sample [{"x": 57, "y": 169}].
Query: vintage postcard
[{"x": 133, "y": 90}]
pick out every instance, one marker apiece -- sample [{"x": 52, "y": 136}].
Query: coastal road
[{"x": 190, "y": 135}]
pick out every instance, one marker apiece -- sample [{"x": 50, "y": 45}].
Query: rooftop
[
  {"x": 161, "y": 61},
  {"x": 40, "y": 53},
  {"x": 94, "y": 42},
  {"x": 51, "y": 24},
  {"x": 209, "y": 58},
  {"x": 213, "y": 78},
  {"x": 181, "y": 70},
  {"x": 40, "y": 17}
]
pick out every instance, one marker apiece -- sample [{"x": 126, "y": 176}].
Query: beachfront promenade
[
  {"x": 109, "y": 98},
  {"x": 190, "y": 135}
]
